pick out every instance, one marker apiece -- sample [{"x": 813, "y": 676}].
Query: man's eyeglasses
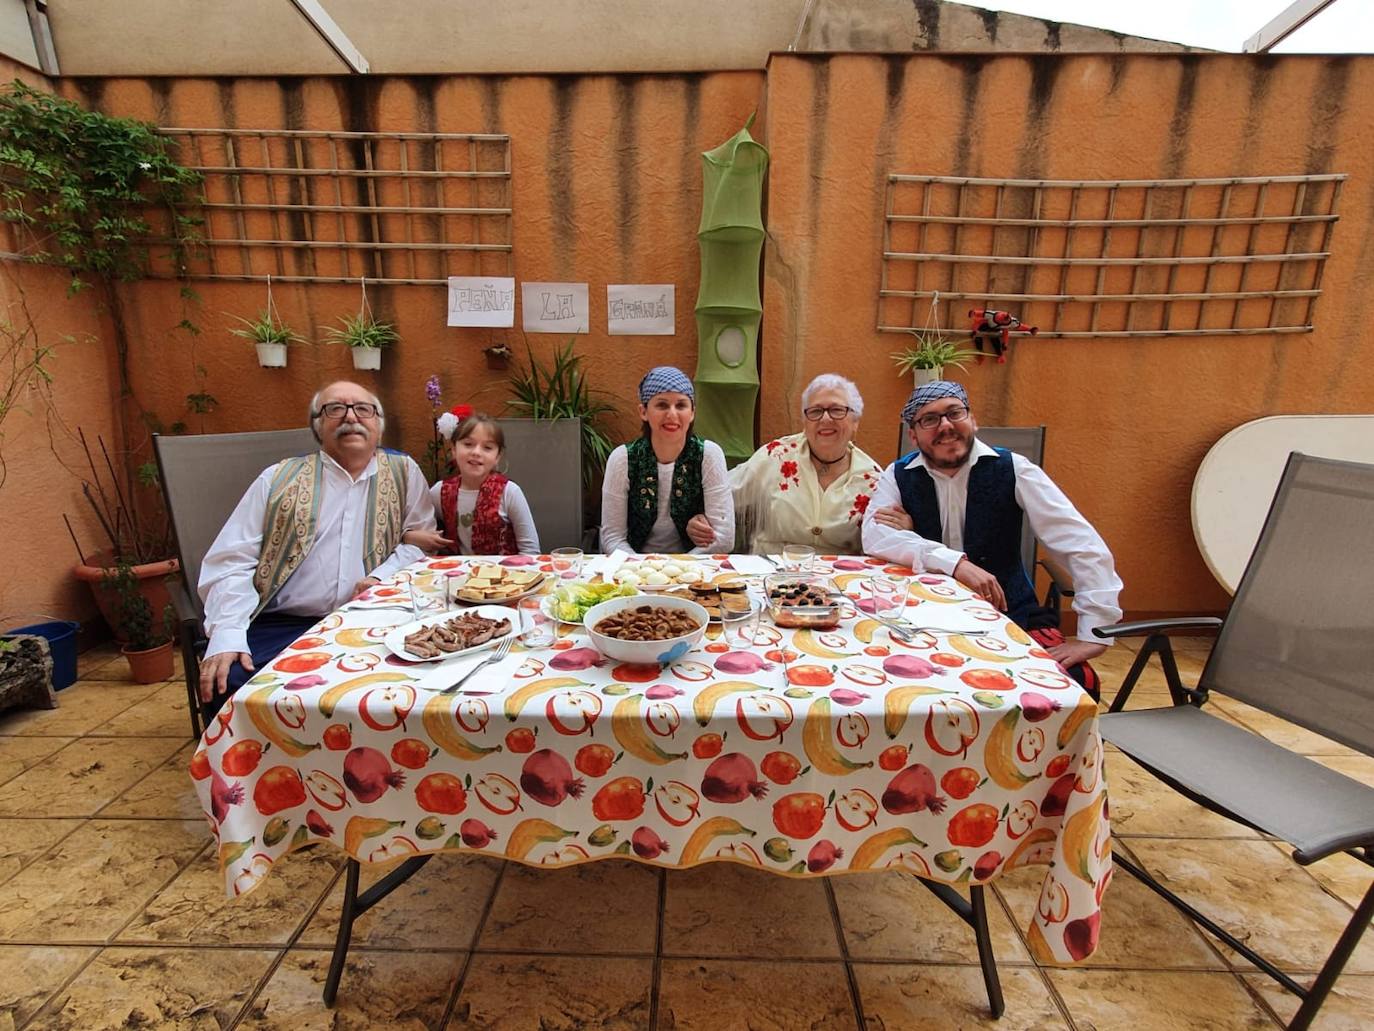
[
  {"x": 836, "y": 412},
  {"x": 336, "y": 409},
  {"x": 932, "y": 419}
]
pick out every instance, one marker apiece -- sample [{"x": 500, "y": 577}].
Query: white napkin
[
  {"x": 946, "y": 619},
  {"x": 606, "y": 565},
  {"x": 489, "y": 679},
  {"x": 751, "y": 565}
]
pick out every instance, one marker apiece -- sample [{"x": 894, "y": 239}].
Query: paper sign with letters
[
  {"x": 640, "y": 309},
  {"x": 479, "y": 301},
  {"x": 555, "y": 307}
]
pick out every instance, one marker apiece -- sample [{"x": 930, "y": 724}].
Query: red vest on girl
[{"x": 491, "y": 535}]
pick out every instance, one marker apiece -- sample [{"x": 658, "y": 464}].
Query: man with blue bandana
[{"x": 955, "y": 505}]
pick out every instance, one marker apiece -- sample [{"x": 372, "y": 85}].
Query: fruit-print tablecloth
[{"x": 953, "y": 757}]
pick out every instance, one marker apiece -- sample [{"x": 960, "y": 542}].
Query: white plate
[{"x": 396, "y": 639}]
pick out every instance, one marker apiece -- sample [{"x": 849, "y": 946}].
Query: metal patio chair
[
  {"x": 545, "y": 458},
  {"x": 1297, "y": 642},
  {"x": 203, "y": 478}
]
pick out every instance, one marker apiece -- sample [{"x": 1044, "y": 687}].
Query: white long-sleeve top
[
  {"x": 515, "y": 510},
  {"x": 1061, "y": 530},
  {"x": 663, "y": 538},
  {"x": 326, "y": 576}
]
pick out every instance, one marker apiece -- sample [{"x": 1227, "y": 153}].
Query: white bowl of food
[{"x": 646, "y": 630}]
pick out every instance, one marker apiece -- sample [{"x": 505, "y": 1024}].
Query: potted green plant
[
  {"x": 926, "y": 360},
  {"x": 365, "y": 337},
  {"x": 561, "y": 392},
  {"x": 149, "y": 644},
  {"x": 270, "y": 336},
  {"x": 132, "y": 516}
]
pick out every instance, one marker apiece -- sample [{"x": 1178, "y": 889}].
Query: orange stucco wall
[
  {"x": 606, "y": 184},
  {"x": 42, "y": 458},
  {"x": 1128, "y": 420},
  {"x": 607, "y": 189}
]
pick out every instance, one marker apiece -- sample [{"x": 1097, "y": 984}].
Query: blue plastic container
[{"x": 61, "y": 636}]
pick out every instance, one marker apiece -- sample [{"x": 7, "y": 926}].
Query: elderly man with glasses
[
  {"x": 310, "y": 533},
  {"x": 955, "y": 506}
]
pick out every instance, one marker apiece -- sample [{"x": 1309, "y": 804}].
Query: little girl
[{"x": 480, "y": 512}]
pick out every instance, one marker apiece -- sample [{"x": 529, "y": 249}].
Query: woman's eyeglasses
[{"x": 836, "y": 412}]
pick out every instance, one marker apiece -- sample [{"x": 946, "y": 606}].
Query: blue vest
[{"x": 992, "y": 522}]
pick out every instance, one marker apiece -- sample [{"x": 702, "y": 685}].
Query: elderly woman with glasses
[{"x": 810, "y": 487}]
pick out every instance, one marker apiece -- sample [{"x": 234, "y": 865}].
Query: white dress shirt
[
  {"x": 326, "y": 576},
  {"x": 515, "y": 510},
  {"x": 1061, "y": 530},
  {"x": 663, "y": 538}
]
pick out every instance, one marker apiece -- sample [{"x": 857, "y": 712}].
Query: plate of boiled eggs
[{"x": 659, "y": 574}]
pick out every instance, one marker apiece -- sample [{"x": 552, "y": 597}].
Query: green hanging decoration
[{"x": 728, "y": 303}]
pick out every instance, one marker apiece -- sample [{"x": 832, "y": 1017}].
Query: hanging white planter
[
  {"x": 366, "y": 357},
  {"x": 272, "y": 356},
  {"x": 922, "y": 376}
]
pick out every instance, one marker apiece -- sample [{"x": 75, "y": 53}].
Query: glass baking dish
[{"x": 818, "y": 606}]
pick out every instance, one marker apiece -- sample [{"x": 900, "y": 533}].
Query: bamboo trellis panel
[
  {"x": 1108, "y": 258},
  {"x": 329, "y": 207}
]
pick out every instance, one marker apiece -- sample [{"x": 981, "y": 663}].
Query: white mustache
[{"x": 349, "y": 429}]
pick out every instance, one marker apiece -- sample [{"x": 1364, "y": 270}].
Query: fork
[
  {"x": 498, "y": 653},
  {"x": 906, "y": 633}
]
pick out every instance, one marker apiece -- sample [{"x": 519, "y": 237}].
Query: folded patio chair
[
  {"x": 1297, "y": 642},
  {"x": 203, "y": 478},
  {"x": 1028, "y": 442}
]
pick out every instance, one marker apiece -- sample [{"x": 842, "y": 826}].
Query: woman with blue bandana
[{"x": 655, "y": 485}]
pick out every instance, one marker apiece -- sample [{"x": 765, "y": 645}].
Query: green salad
[{"x": 571, "y": 601}]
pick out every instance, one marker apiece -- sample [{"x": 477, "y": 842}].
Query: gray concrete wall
[
  {"x": 271, "y": 37},
  {"x": 16, "y": 41}
]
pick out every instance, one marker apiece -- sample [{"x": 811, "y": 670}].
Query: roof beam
[
  {"x": 329, "y": 30},
  {"x": 1283, "y": 25}
]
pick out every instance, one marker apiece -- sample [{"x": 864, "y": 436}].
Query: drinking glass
[
  {"x": 452, "y": 584},
  {"x": 797, "y": 558},
  {"x": 888, "y": 595},
  {"x": 740, "y": 628},
  {"x": 567, "y": 562},
  {"x": 537, "y": 627}
]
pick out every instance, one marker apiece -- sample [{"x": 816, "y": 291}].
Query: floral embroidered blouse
[{"x": 779, "y": 500}]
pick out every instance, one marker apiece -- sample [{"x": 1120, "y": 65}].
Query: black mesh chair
[
  {"x": 1297, "y": 642},
  {"x": 203, "y": 478},
  {"x": 1029, "y": 443}
]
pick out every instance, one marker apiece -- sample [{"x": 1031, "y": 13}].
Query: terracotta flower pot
[
  {"x": 152, "y": 584},
  {"x": 151, "y": 665}
]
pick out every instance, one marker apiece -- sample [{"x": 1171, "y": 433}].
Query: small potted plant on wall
[
  {"x": 148, "y": 644},
  {"x": 932, "y": 351},
  {"x": 926, "y": 360},
  {"x": 270, "y": 336},
  {"x": 364, "y": 335}
]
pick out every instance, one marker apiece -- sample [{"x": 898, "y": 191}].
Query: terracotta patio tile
[
  {"x": 720, "y": 993},
  {"x": 175, "y": 989},
  {"x": 898, "y": 998},
  {"x": 504, "y": 991},
  {"x": 726, "y": 909}
]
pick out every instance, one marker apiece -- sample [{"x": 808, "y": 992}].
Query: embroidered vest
[
  {"x": 688, "y": 499},
  {"x": 491, "y": 535},
  {"x": 293, "y": 508},
  {"x": 992, "y": 522}
]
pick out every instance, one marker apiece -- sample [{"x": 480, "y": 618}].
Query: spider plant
[
  {"x": 266, "y": 330},
  {"x": 362, "y": 330}
]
